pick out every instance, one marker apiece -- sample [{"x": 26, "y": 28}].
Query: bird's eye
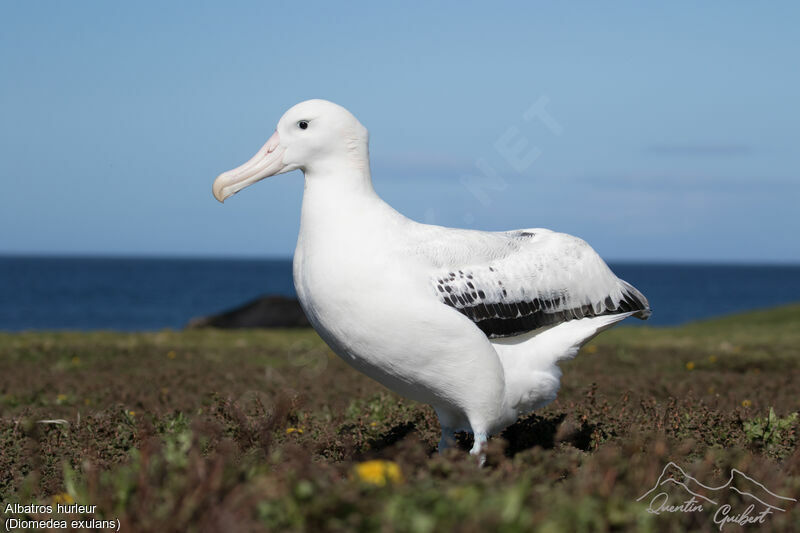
[{"x": 303, "y": 124}]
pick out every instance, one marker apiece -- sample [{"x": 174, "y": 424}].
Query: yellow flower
[
  {"x": 712, "y": 358},
  {"x": 76, "y": 360},
  {"x": 63, "y": 498},
  {"x": 61, "y": 398},
  {"x": 591, "y": 349},
  {"x": 373, "y": 424},
  {"x": 378, "y": 472},
  {"x": 171, "y": 354},
  {"x": 746, "y": 403},
  {"x": 132, "y": 413},
  {"x": 294, "y": 430},
  {"x": 690, "y": 365}
]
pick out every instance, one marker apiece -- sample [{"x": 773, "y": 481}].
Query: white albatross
[{"x": 470, "y": 322}]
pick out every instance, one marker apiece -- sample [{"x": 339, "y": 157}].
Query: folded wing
[{"x": 513, "y": 282}]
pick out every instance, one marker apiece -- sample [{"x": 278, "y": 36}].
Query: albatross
[{"x": 473, "y": 323}]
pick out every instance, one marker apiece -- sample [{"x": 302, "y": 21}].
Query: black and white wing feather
[{"x": 513, "y": 282}]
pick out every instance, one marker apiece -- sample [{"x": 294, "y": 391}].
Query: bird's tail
[{"x": 529, "y": 361}]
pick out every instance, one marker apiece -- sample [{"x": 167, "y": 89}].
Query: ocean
[{"x": 145, "y": 294}]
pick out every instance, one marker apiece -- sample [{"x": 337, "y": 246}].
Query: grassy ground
[{"x": 267, "y": 430}]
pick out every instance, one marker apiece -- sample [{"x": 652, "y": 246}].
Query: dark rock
[{"x": 264, "y": 312}]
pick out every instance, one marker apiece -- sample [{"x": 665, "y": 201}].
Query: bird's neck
[
  {"x": 335, "y": 195},
  {"x": 343, "y": 201},
  {"x": 339, "y": 180}
]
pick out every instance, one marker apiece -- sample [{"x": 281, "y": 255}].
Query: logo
[{"x": 678, "y": 492}]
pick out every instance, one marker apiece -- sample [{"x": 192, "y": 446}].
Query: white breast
[{"x": 376, "y": 310}]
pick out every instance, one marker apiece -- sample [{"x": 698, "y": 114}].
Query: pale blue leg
[
  {"x": 448, "y": 439},
  {"x": 448, "y": 421},
  {"x": 477, "y": 448}
]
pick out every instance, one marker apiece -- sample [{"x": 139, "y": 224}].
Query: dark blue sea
[{"x": 135, "y": 294}]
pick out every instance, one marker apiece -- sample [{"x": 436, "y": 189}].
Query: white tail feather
[{"x": 529, "y": 360}]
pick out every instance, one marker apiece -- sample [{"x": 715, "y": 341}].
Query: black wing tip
[{"x": 636, "y": 301}]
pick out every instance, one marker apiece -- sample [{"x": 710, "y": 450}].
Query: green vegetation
[
  {"x": 268, "y": 430},
  {"x": 770, "y": 431}
]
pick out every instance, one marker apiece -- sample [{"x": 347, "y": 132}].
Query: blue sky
[{"x": 668, "y": 133}]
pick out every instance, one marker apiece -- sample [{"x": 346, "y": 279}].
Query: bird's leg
[
  {"x": 448, "y": 421},
  {"x": 448, "y": 439},
  {"x": 477, "y": 448}
]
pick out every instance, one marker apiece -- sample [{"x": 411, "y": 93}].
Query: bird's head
[{"x": 315, "y": 136}]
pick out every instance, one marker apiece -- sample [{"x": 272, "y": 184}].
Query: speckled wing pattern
[{"x": 523, "y": 280}]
